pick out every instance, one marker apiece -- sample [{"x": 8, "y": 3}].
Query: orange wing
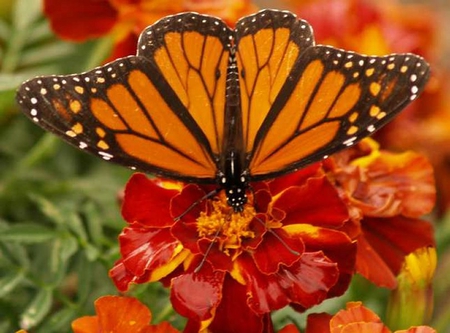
[
  {"x": 160, "y": 111},
  {"x": 304, "y": 102},
  {"x": 268, "y": 44}
]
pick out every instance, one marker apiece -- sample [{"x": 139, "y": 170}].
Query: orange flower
[
  {"x": 385, "y": 194},
  {"x": 117, "y": 314},
  {"x": 354, "y": 319}
]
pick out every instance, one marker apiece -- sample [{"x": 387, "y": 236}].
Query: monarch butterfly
[{"x": 204, "y": 103}]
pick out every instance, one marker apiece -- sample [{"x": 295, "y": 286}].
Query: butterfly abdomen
[{"x": 232, "y": 175}]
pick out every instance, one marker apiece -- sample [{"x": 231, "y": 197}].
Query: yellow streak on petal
[{"x": 178, "y": 258}]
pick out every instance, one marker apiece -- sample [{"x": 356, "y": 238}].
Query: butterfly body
[{"x": 204, "y": 103}]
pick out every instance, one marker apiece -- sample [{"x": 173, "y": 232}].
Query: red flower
[
  {"x": 385, "y": 193},
  {"x": 283, "y": 249},
  {"x": 120, "y": 314},
  {"x": 125, "y": 19},
  {"x": 355, "y": 319}
]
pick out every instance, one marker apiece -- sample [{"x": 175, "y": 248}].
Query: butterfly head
[{"x": 234, "y": 181}]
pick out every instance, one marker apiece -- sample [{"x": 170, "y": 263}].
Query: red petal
[
  {"x": 187, "y": 234},
  {"x": 144, "y": 249},
  {"x": 393, "y": 238},
  {"x": 316, "y": 203},
  {"x": 297, "y": 178},
  {"x": 234, "y": 314},
  {"x": 336, "y": 246},
  {"x": 147, "y": 203},
  {"x": 80, "y": 20},
  {"x": 197, "y": 295},
  {"x": 318, "y": 322},
  {"x": 291, "y": 328},
  {"x": 182, "y": 204},
  {"x": 305, "y": 283},
  {"x": 125, "y": 47},
  {"x": 272, "y": 252},
  {"x": 122, "y": 278},
  {"x": 372, "y": 266}
]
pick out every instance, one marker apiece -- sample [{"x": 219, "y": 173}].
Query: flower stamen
[{"x": 225, "y": 226}]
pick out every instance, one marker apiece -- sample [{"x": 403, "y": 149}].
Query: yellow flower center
[{"x": 226, "y": 227}]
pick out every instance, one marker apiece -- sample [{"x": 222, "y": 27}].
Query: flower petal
[
  {"x": 196, "y": 295},
  {"x": 86, "y": 324},
  {"x": 299, "y": 207},
  {"x": 234, "y": 314},
  {"x": 393, "y": 238},
  {"x": 80, "y": 20},
  {"x": 146, "y": 248},
  {"x": 115, "y": 314},
  {"x": 335, "y": 245},
  {"x": 305, "y": 283},
  {"x": 297, "y": 178},
  {"x": 372, "y": 266},
  {"x": 182, "y": 204},
  {"x": 318, "y": 322},
  {"x": 147, "y": 202},
  {"x": 276, "y": 251}
]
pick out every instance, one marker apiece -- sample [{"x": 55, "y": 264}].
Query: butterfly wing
[
  {"x": 192, "y": 51},
  {"x": 329, "y": 99},
  {"x": 147, "y": 111},
  {"x": 268, "y": 44}
]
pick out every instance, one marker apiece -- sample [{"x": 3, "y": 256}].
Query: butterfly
[{"x": 204, "y": 103}]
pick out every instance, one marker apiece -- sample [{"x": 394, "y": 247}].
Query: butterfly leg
[{"x": 207, "y": 196}]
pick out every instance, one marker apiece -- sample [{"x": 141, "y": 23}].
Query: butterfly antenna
[{"x": 206, "y": 196}]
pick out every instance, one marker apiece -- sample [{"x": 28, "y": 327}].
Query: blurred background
[{"x": 60, "y": 208}]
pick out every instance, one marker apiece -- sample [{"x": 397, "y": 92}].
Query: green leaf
[
  {"x": 41, "y": 32},
  {"x": 94, "y": 224},
  {"x": 27, "y": 233},
  {"x": 11, "y": 81},
  {"x": 37, "y": 309},
  {"x": 49, "y": 209},
  {"x": 58, "y": 322},
  {"x": 85, "y": 271},
  {"x": 62, "y": 250},
  {"x": 73, "y": 221},
  {"x": 92, "y": 253},
  {"x": 9, "y": 282},
  {"x": 47, "y": 53},
  {"x": 25, "y": 13},
  {"x": 15, "y": 253}
]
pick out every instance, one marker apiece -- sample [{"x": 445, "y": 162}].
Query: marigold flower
[
  {"x": 385, "y": 194},
  {"x": 354, "y": 319},
  {"x": 283, "y": 249},
  {"x": 117, "y": 314},
  {"x": 412, "y": 302}
]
